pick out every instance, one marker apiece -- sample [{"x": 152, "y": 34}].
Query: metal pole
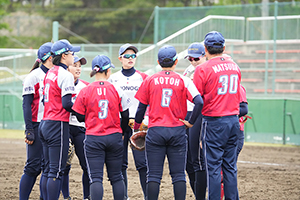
[
  {"x": 274, "y": 46},
  {"x": 55, "y": 26},
  {"x": 284, "y": 110},
  {"x": 266, "y": 69},
  {"x": 156, "y": 21}
]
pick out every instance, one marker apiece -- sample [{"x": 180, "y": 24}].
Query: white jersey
[
  {"x": 189, "y": 72},
  {"x": 34, "y": 84},
  {"x": 73, "y": 120},
  {"x": 130, "y": 85}
]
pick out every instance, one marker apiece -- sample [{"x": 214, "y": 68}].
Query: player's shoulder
[
  {"x": 142, "y": 74},
  {"x": 84, "y": 82}
]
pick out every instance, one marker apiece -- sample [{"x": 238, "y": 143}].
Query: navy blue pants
[
  {"x": 34, "y": 165},
  {"x": 55, "y": 140},
  {"x": 162, "y": 142},
  {"x": 196, "y": 160},
  {"x": 220, "y": 136},
  {"x": 109, "y": 150},
  {"x": 240, "y": 143},
  {"x": 77, "y": 136}
]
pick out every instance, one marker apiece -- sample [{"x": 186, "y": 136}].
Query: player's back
[
  {"x": 102, "y": 104},
  {"x": 218, "y": 81},
  {"x": 166, "y": 96}
]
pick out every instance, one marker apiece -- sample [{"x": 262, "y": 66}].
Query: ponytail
[{"x": 36, "y": 65}]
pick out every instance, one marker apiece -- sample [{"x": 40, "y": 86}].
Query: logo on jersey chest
[{"x": 130, "y": 88}]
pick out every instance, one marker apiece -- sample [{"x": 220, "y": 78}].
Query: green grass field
[{"x": 19, "y": 134}]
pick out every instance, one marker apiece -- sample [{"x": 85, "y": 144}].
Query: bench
[
  {"x": 251, "y": 80},
  {"x": 279, "y": 51},
  {"x": 287, "y": 80},
  {"x": 269, "y": 61}
]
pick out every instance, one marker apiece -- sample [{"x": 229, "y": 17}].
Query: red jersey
[
  {"x": 218, "y": 80},
  {"x": 101, "y": 102},
  {"x": 242, "y": 99},
  {"x": 166, "y": 93},
  {"x": 58, "y": 83}
]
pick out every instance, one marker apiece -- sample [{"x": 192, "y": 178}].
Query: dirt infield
[{"x": 264, "y": 173}]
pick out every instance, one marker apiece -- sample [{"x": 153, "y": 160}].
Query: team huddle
[{"x": 195, "y": 120}]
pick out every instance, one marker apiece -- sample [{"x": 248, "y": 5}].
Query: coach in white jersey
[
  {"x": 33, "y": 110},
  {"x": 130, "y": 79}
]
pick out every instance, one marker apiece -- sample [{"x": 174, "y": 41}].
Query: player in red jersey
[
  {"x": 129, "y": 80},
  {"x": 166, "y": 93},
  {"x": 218, "y": 80},
  {"x": 54, "y": 129},
  {"x": 99, "y": 105},
  {"x": 77, "y": 134},
  {"x": 33, "y": 110}
]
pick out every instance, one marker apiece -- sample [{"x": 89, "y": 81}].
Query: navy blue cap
[
  {"x": 214, "y": 39},
  {"x": 62, "y": 46},
  {"x": 44, "y": 51},
  {"x": 82, "y": 60},
  {"x": 167, "y": 55},
  {"x": 126, "y": 46},
  {"x": 196, "y": 50},
  {"x": 101, "y": 63}
]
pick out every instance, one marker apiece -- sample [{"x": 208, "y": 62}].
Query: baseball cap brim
[
  {"x": 82, "y": 60},
  {"x": 75, "y": 48},
  {"x": 193, "y": 55}
]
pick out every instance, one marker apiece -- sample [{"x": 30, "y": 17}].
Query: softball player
[
  {"x": 164, "y": 92},
  {"x": 33, "y": 109},
  {"x": 195, "y": 158},
  {"x": 242, "y": 119},
  {"x": 129, "y": 80},
  {"x": 54, "y": 129},
  {"x": 77, "y": 134},
  {"x": 99, "y": 104},
  {"x": 218, "y": 80}
]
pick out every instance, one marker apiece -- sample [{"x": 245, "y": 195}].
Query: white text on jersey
[
  {"x": 101, "y": 91},
  {"x": 166, "y": 80},
  {"x": 225, "y": 67}
]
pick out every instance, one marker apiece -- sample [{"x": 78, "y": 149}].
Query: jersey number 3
[
  {"x": 166, "y": 97},
  {"x": 233, "y": 84},
  {"x": 103, "y": 105}
]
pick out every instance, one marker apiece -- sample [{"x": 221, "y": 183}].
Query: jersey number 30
[
  {"x": 233, "y": 84},
  {"x": 103, "y": 105}
]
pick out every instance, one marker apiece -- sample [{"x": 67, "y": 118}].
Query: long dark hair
[
  {"x": 94, "y": 72},
  {"x": 37, "y": 64},
  {"x": 56, "y": 59}
]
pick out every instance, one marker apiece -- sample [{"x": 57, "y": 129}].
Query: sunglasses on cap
[
  {"x": 195, "y": 59},
  {"x": 127, "y": 56}
]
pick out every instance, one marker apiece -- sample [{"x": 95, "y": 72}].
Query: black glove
[{"x": 29, "y": 134}]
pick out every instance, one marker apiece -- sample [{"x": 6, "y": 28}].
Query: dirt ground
[{"x": 263, "y": 173}]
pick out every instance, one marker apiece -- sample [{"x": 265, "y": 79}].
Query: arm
[
  {"x": 67, "y": 102},
  {"x": 198, "y": 101},
  {"x": 124, "y": 120},
  {"x": 80, "y": 117},
  {"x": 243, "y": 109},
  {"x": 27, "y": 113},
  {"x": 139, "y": 116}
]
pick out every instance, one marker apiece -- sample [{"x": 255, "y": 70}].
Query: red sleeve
[
  {"x": 85, "y": 82},
  {"x": 79, "y": 104},
  {"x": 144, "y": 76},
  {"x": 142, "y": 93},
  {"x": 243, "y": 94},
  {"x": 199, "y": 78}
]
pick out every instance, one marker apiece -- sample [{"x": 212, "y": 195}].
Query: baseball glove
[
  {"x": 138, "y": 140},
  {"x": 143, "y": 127},
  {"x": 131, "y": 123},
  {"x": 71, "y": 153}
]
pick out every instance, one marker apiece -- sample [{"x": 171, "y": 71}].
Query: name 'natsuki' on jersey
[
  {"x": 225, "y": 67},
  {"x": 166, "y": 80}
]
